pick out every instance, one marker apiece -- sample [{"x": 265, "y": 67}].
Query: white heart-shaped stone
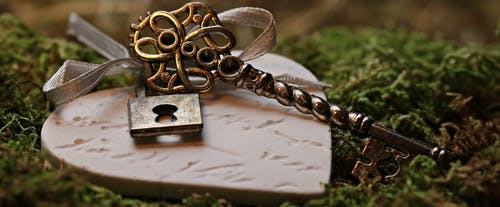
[{"x": 252, "y": 150}]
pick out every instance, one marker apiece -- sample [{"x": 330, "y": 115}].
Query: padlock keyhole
[{"x": 165, "y": 113}]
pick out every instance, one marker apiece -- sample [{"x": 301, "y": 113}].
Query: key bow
[{"x": 181, "y": 46}]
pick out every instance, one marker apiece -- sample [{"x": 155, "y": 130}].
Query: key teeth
[
  {"x": 400, "y": 161},
  {"x": 377, "y": 151},
  {"x": 364, "y": 171},
  {"x": 141, "y": 18},
  {"x": 131, "y": 45}
]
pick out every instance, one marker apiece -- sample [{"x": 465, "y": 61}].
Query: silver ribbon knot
[{"x": 74, "y": 78}]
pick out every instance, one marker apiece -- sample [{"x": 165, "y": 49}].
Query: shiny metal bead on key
[{"x": 191, "y": 42}]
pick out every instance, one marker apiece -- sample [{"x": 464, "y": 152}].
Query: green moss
[
  {"x": 423, "y": 183},
  {"x": 429, "y": 89},
  {"x": 27, "y": 60}
]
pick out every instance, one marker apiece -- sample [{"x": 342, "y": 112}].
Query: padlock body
[{"x": 145, "y": 113}]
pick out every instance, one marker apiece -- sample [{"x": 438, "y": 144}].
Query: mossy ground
[{"x": 446, "y": 94}]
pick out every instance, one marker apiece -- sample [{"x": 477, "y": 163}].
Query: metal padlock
[{"x": 164, "y": 114}]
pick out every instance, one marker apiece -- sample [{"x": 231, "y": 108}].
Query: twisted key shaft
[
  {"x": 179, "y": 44},
  {"x": 233, "y": 70}
]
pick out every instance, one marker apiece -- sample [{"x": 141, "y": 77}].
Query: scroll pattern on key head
[{"x": 183, "y": 39}]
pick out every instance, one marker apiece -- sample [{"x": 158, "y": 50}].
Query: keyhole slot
[{"x": 165, "y": 113}]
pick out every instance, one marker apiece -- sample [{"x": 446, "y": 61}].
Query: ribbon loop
[
  {"x": 257, "y": 18},
  {"x": 74, "y": 79}
]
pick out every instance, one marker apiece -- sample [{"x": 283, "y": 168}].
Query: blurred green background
[{"x": 452, "y": 20}]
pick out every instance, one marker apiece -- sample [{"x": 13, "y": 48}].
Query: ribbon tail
[
  {"x": 95, "y": 39},
  {"x": 74, "y": 78}
]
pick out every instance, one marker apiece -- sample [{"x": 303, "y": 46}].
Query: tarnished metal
[
  {"x": 379, "y": 157},
  {"x": 183, "y": 39},
  {"x": 167, "y": 114},
  {"x": 174, "y": 45}
]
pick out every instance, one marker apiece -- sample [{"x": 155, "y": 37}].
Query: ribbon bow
[{"x": 74, "y": 78}]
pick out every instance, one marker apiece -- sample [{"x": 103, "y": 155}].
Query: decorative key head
[{"x": 178, "y": 45}]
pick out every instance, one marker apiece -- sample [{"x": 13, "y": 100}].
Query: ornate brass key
[{"x": 191, "y": 42}]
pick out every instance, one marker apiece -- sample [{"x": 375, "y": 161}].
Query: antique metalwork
[
  {"x": 177, "y": 46},
  {"x": 160, "y": 115}
]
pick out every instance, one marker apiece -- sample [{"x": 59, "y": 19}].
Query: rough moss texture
[{"x": 427, "y": 89}]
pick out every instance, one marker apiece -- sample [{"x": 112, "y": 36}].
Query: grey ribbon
[
  {"x": 92, "y": 37},
  {"x": 257, "y": 18},
  {"x": 74, "y": 79}
]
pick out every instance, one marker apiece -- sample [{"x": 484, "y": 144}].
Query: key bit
[
  {"x": 393, "y": 147},
  {"x": 188, "y": 45},
  {"x": 379, "y": 156}
]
